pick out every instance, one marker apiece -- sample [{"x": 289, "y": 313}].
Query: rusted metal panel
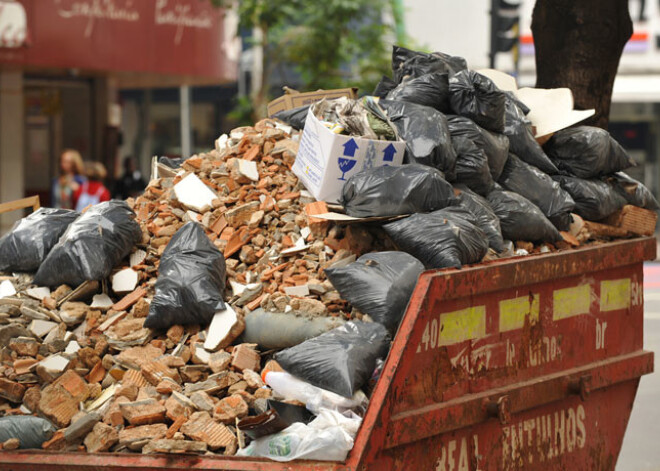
[{"x": 526, "y": 363}]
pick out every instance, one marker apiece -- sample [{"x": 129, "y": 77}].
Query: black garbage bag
[
  {"x": 521, "y": 140},
  {"x": 407, "y": 63},
  {"x": 485, "y": 217},
  {"x": 295, "y": 117},
  {"x": 385, "y": 86},
  {"x": 520, "y": 219},
  {"x": 379, "y": 284},
  {"x": 171, "y": 162},
  {"x": 633, "y": 191},
  {"x": 191, "y": 281},
  {"x": 92, "y": 246},
  {"x": 428, "y": 90},
  {"x": 31, "y": 431},
  {"x": 495, "y": 146},
  {"x": 395, "y": 191},
  {"x": 341, "y": 360},
  {"x": 426, "y": 134},
  {"x": 475, "y": 96},
  {"x": 28, "y": 242},
  {"x": 449, "y": 237},
  {"x": 587, "y": 152},
  {"x": 540, "y": 189},
  {"x": 594, "y": 199},
  {"x": 472, "y": 166}
]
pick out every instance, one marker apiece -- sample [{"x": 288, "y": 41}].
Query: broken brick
[
  {"x": 230, "y": 408},
  {"x": 244, "y": 357},
  {"x": 215, "y": 435},
  {"x": 130, "y": 299},
  {"x": 102, "y": 438},
  {"x": 144, "y": 412}
]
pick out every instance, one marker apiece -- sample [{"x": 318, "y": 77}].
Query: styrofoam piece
[{"x": 194, "y": 194}]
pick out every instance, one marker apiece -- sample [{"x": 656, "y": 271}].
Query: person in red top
[{"x": 93, "y": 191}]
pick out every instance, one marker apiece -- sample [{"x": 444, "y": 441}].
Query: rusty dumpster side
[{"x": 527, "y": 363}]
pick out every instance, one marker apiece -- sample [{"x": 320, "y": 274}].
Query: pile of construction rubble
[{"x": 80, "y": 359}]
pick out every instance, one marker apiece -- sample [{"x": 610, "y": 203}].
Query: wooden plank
[{"x": 30, "y": 201}]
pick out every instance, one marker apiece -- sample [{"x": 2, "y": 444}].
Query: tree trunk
[{"x": 578, "y": 45}]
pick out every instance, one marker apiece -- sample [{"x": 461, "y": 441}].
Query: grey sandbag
[
  {"x": 408, "y": 63},
  {"x": 428, "y": 90},
  {"x": 495, "y": 146},
  {"x": 449, "y": 237},
  {"x": 475, "y": 96},
  {"x": 540, "y": 189},
  {"x": 92, "y": 246},
  {"x": 594, "y": 199},
  {"x": 485, "y": 217},
  {"x": 342, "y": 360},
  {"x": 385, "y": 86},
  {"x": 520, "y": 219},
  {"x": 633, "y": 191},
  {"x": 378, "y": 284},
  {"x": 276, "y": 330},
  {"x": 521, "y": 140},
  {"x": 31, "y": 431},
  {"x": 472, "y": 166},
  {"x": 395, "y": 191},
  {"x": 191, "y": 281},
  {"x": 30, "y": 240},
  {"x": 587, "y": 152},
  {"x": 426, "y": 134},
  {"x": 295, "y": 117}
]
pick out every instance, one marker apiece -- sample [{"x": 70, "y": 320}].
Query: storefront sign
[{"x": 178, "y": 37}]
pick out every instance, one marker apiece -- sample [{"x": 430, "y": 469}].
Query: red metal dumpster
[{"x": 525, "y": 363}]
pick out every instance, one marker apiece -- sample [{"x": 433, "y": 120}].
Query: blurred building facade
[
  {"x": 89, "y": 74},
  {"x": 463, "y": 29}
]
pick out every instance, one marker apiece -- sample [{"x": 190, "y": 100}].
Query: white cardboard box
[{"x": 326, "y": 160}]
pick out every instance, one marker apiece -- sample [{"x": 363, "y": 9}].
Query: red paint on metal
[
  {"x": 561, "y": 404},
  {"x": 178, "y": 37}
]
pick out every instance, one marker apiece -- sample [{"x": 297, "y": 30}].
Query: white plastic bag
[
  {"x": 329, "y": 437},
  {"x": 316, "y": 399}
]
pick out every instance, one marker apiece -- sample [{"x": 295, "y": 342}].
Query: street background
[{"x": 640, "y": 451}]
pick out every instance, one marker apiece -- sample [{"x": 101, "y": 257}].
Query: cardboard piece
[
  {"x": 326, "y": 160},
  {"x": 293, "y": 99},
  {"x": 551, "y": 110}
]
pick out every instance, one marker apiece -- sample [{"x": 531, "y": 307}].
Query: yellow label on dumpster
[
  {"x": 466, "y": 324},
  {"x": 513, "y": 312},
  {"x": 569, "y": 302},
  {"x": 614, "y": 294}
]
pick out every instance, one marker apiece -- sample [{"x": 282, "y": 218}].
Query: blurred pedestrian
[
  {"x": 131, "y": 182},
  {"x": 69, "y": 180},
  {"x": 93, "y": 191}
]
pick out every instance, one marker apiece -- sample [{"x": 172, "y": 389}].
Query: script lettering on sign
[
  {"x": 113, "y": 10},
  {"x": 182, "y": 16}
]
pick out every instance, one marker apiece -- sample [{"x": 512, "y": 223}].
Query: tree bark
[{"x": 578, "y": 45}]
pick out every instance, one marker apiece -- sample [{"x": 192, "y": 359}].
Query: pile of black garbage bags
[{"x": 474, "y": 176}]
